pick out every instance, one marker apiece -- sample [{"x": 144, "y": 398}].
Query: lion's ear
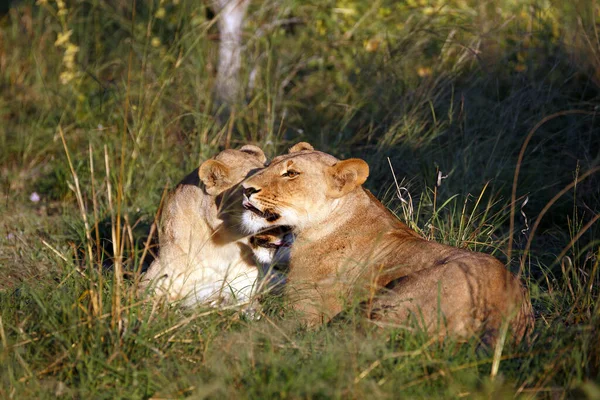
[
  {"x": 255, "y": 151},
  {"x": 215, "y": 176},
  {"x": 346, "y": 176},
  {"x": 300, "y": 147}
]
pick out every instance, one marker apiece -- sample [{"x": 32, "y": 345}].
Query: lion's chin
[{"x": 252, "y": 223}]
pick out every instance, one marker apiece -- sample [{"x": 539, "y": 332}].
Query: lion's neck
[
  {"x": 338, "y": 217},
  {"x": 363, "y": 231},
  {"x": 353, "y": 213}
]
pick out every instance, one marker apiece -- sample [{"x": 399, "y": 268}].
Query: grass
[{"x": 447, "y": 91}]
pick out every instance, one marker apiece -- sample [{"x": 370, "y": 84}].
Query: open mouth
[
  {"x": 266, "y": 243},
  {"x": 273, "y": 238},
  {"x": 270, "y": 216}
]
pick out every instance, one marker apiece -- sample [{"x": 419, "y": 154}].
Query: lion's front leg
[{"x": 315, "y": 304}]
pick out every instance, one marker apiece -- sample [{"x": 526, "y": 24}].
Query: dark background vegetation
[{"x": 440, "y": 88}]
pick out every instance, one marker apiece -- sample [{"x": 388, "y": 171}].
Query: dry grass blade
[
  {"x": 286, "y": 336},
  {"x": 577, "y": 237},
  {"x": 58, "y": 253},
  {"x": 498, "y": 349},
  {"x": 443, "y": 373},
  {"x": 98, "y": 299},
  {"x": 3, "y": 335},
  {"x": 151, "y": 234},
  {"x": 377, "y": 363},
  {"x": 513, "y": 199},
  {"x": 116, "y": 296},
  {"x": 75, "y": 326},
  {"x": 545, "y": 210},
  {"x": 191, "y": 318},
  {"x": 79, "y": 197},
  {"x": 407, "y": 205}
]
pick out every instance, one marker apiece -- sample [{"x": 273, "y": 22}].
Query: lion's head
[
  {"x": 299, "y": 189},
  {"x": 230, "y": 167},
  {"x": 220, "y": 177}
]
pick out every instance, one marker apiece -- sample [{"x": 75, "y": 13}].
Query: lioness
[
  {"x": 271, "y": 250},
  {"x": 204, "y": 256},
  {"x": 272, "y": 247},
  {"x": 349, "y": 246}
]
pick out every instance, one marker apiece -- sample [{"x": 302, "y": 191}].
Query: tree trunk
[{"x": 231, "y": 15}]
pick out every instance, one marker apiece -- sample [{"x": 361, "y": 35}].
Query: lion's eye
[{"x": 290, "y": 173}]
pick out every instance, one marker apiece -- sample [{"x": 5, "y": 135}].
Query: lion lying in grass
[
  {"x": 348, "y": 247},
  {"x": 204, "y": 257}
]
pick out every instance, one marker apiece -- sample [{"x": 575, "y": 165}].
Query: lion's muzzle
[{"x": 269, "y": 215}]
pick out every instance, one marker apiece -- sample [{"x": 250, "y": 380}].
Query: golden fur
[
  {"x": 204, "y": 257},
  {"x": 348, "y": 247}
]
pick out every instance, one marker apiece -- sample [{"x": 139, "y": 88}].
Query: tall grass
[{"x": 485, "y": 112}]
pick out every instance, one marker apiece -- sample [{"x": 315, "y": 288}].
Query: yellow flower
[
  {"x": 424, "y": 72},
  {"x": 429, "y": 10},
  {"x": 384, "y": 12},
  {"x": 71, "y": 50},
  {"x": 344, "y": 11},
  {"x": 160, "y": 13},
  {"x": 66, "y": 77},
  {"x": 155, "y": 42},
  {"x": 69, "y": 57},
  {"x": 321, "y": 29},
  {"x": 371, "y": 45},
  {"x": 63, "y": 37},
  {"x": 520, "y": 67}
]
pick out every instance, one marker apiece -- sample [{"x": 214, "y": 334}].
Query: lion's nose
[{"x": 249, "y": 191}]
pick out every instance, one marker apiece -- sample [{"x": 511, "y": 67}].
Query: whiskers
[
  {"x": 280, "y": 206},
  {"x": 242, "y": 226}
]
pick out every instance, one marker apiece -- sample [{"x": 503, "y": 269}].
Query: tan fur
[
  {"x": 461, "y": 296},
  {"x": 349, "y": 246},
  {"x": 204, "y": 257},
  {"x": 300, "y": 146}
]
